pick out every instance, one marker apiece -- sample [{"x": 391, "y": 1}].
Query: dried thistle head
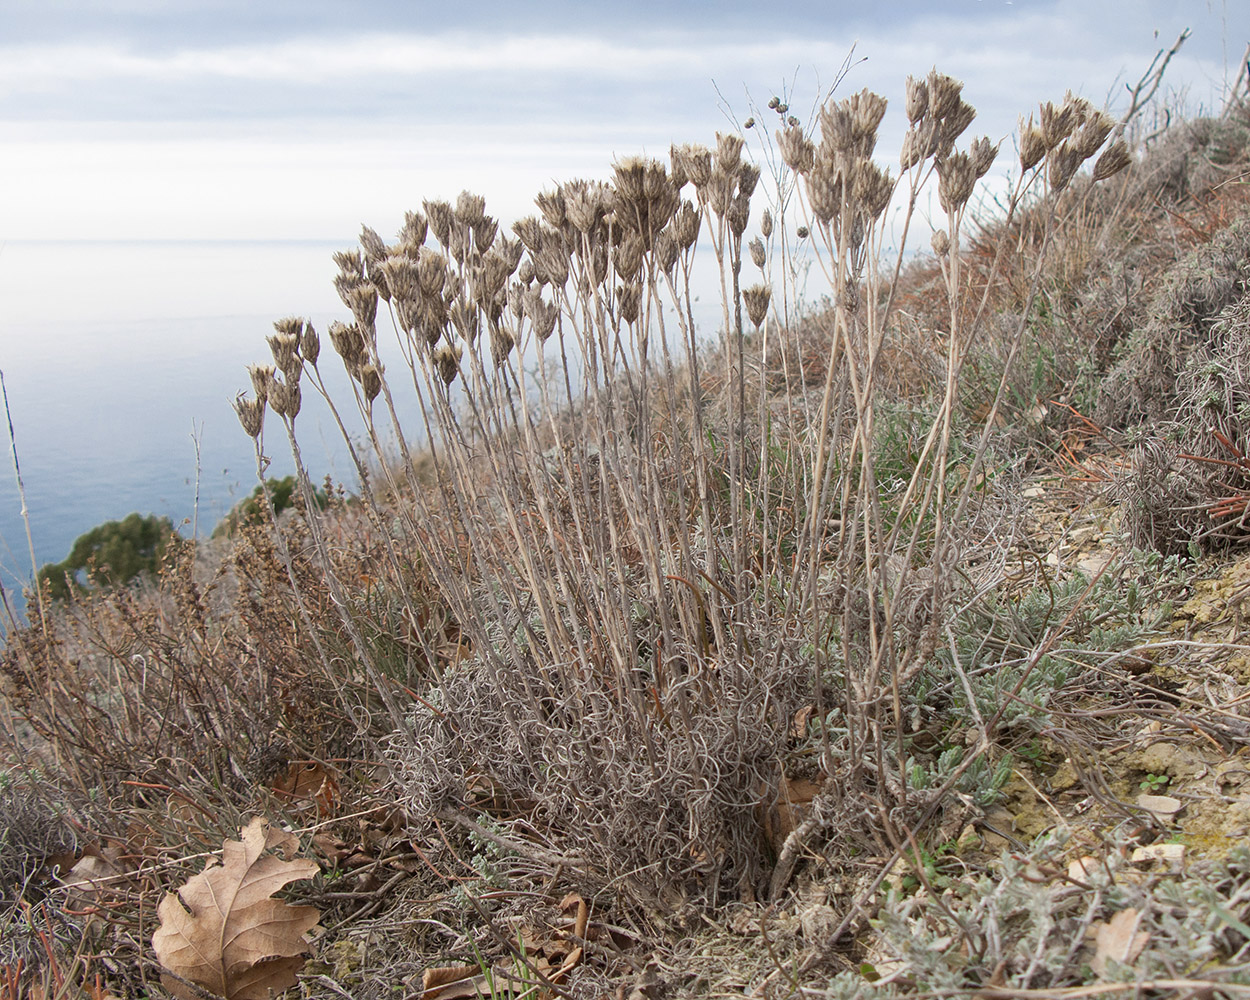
[
  {"x": 867, "y": 109},
  {"x": 957, "y": 178},
  {"x": 362, "y": 300},
  {"x": 954, "y": 125},
  {"x": 502, "y": 341},
  {"x": 629, "y": 301},
  {"x": 756, "y": 300},
  {"x": 1113, "y": 160},
  {"x": 645, "y": 197},
  {"x": 1057, "y": 122},
  {"x": 349, "y": 343},
  {"x": 666, "y": 249},
  {"x": 686, "y": 225},
  {"x": 824, "y": 190},
  {"x": 551, "y": 204},
  {"x": 940, "y": 242},
  {"x": 542, "y": 314},
  {"x": 1064, "y": 161},
  {"x": 251, "y": 414},
  {"x": 738, "y": 215},
  {"x": 283, "y": 347},
  {"x": 766, "y": 224},
  {"x": 691, "y": 162}
]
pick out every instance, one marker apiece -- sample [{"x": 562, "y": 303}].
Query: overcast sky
[{"x": 253, "y": 119}]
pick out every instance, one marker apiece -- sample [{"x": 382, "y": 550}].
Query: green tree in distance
[{"x": 111, "y": 554}]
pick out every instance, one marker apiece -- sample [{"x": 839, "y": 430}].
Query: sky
[{"x": 262, "y": 120}]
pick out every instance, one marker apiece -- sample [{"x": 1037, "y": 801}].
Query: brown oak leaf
[{"x": 222, "y": 931}]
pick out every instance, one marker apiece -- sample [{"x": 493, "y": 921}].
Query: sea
[{"x": 120, "y": 362}]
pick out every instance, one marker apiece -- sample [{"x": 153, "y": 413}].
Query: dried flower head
[
  {"x": 1113, "y": 160},
  {"x": 310, "y": 344},
  {"x": 756, "y": 300},
  {"x": 917, "y": 99},
  {"x": 283, "y": 347},
  {"x": 983, "y": 153},
  {"x": 1057, "y": 123},
  {"x": 1032, "y": 144},
  {"x": 802, "y": 232},
  {"x": 551, "y": 204},
  {"x": 867, "y": 109},
  {"x": 692, "y": 162},
  {"x": 470, "y": 209},
  {"x": 262, "y": 377},
  {"x": 728, "y": 151},
  {"x": 466, "y": 319},
  {"x": 542, "y": 314},
  {"x": 412, "y": 233},
  {"x": 349, "y": 343},
  {"x": 645, "y": 197},
  {"x": 1092, "y": 134},
  {"x": 944, "y": 94},
  {"x": 373, "y": 246},
  {"x": 756, "y": 247},
  {"x": 251, "y": 414},
  {"x": 941, "y": 243},
  {"x": 766, "y": 224},
  {"x": 1064, "y": 161},
  {"x": 957, "y": 177},
  {"x": 954, "y": 125},
  {"x": 874, "y": 188},
  {"x": 284, "y": 397},
  {"x": 629, "y": 301},
  {"x": 686, "y": 225},
  {"x": 666, "y": 249},
  {"x": 502, "y": 341},
  {"x": 440, "y": 217},
  {"x": 370, "y": 378},
  {"x": 797, "y": 151},
  {"x": 446, "y": 361},
  {"x": 362, "y": 300}
]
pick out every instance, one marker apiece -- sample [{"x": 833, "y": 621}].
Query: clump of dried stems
[{"x": 652, "y": 555}]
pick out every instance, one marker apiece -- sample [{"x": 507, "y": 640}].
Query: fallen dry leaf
[
  {"x": 1118, "y": 939},
  {"x": 222, "y": 931}
]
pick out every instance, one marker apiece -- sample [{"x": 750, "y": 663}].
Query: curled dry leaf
[{"x": 222, "y": 931}]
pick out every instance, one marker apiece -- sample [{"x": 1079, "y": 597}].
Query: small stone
[
  {"x": 1172, "y": 854},
  {"x": 1082, "y": 868},
  {"x": 1163, "y": 806}
]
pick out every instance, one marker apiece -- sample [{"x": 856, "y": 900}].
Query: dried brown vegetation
[{"x": 693, "y": 634}]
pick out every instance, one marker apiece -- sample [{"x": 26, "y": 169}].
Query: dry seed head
[
  {"x": 525, "y": 272},
  {"x": 262, "y": 378},
  {"x": 697, "y": 164},
  {"x": 251, "y": 414},
  {"x": 944, "y": 94},
  {"x": 628, "y": 256},
  {"x": 447, "y": 362},
  {"x": 728, "y": 151},
  {"x": 289, "y": 324},
  {"x": 1057, "y": 123},
  {"x": 983, "y": 153},
  {"x": 720, "y": 192},
  {"x": 484, "y": 233},
  {"x": 283, "y": 346},
  {"x": 957, "y": 177},
  {"x": 628, "y": 301},
  {"x": 460, "y": 244},
  {"x": 666, "y": 249},
  {"x": 867, "y": 110},
  {"x": 551, "y": 204},
  {"x": 1113, "y": 160},
  {"x": 400, "y": 275},
  {"x": 285, "y": 399},
  {"x": 1032, "y": 144},
  {"x": 802, "y": 232},
  {"x": 748, "y": 177},
  {"x": 941, "y": 243},
  {"x": 362, "y": 300},
  {"x": 955, "y": 124},
  {"x": 370, "y": 378},
  {"x": 542, "y": 314},
  {"x": 465, "y": 318},
  {"x": 551, "y": 266},
  {"x": 686, "y": 225},
  {"x": 440, "y": 218},
  {"x": 349, "y": 263},
  {"x": 1081, "y": 108},
  {"x": 824, "y": 191},
  {"x": 797, "y": 151},
  {"x": 349, "y": 343},
  {"x": 739, "y": 215},
  {"x": 756, "y": 300},
  {"x": 432, "y": 272},
  {"x": 1064, "y": 162},
  {"x": 837, "y": 132},
  {"x": 766, "y": 224},
  {"x": 583, "y": 206},
  {"x": 501, "y": 343},
  {"x": 374, "y": 247},
  {"x": 917, "y": 99},
  {"x": 915, "y": 149},
  {"x": 470, "y": 209},
  {"x": 310, "y": 344},
  {"x": 756, "y": 246},
  {"x": 874, "y": 188},
  {"x": 530, "y": 232},
  {"x": 412, "y": 233},
  {"x": 1093, "y": 133}
]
